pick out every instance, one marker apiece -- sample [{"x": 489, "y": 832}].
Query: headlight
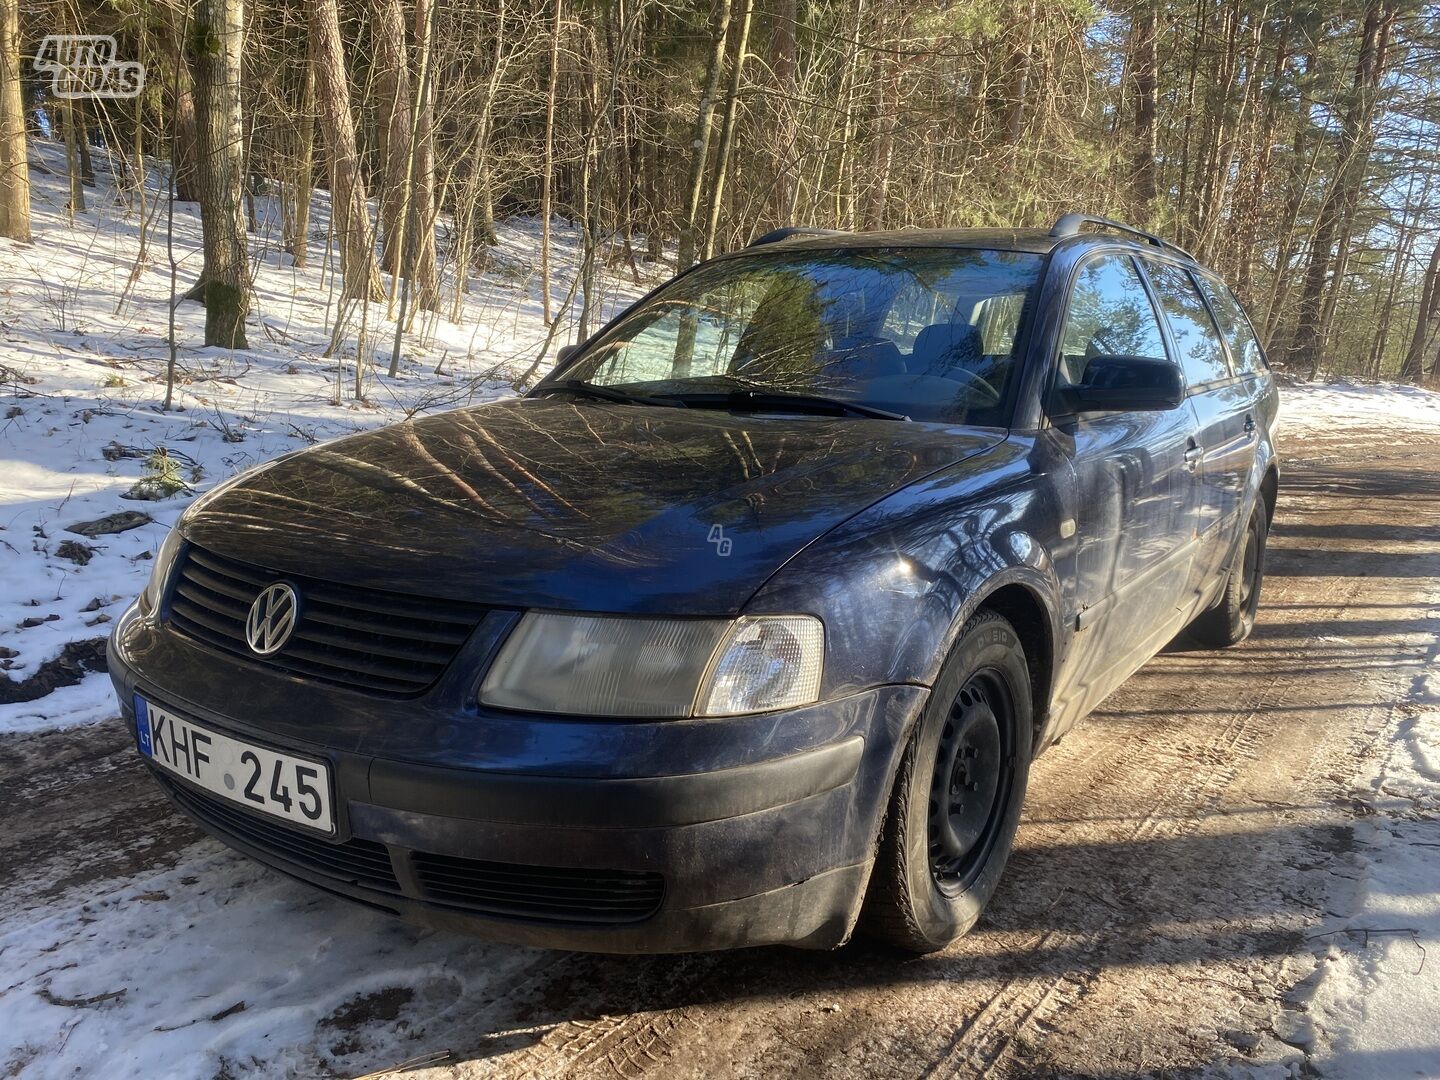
[
  {"x": 596, "y": 665},
  {"x": 160, "y": 572}
]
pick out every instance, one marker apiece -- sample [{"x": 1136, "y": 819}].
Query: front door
[{"x": 1134, "y": 500}]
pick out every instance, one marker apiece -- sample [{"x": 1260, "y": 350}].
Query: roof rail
[
  {"x": 774, "y": 236},
  {"x": 1069, "y": 225}
]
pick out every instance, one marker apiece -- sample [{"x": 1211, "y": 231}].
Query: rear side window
[
  {"x": 1110, "y": 314},
  {"x": 1197, "y": 341},
  {"x": 1239, "y": 334}
]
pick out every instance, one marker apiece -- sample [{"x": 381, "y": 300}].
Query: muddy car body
[{"x": 396, "y": 627}]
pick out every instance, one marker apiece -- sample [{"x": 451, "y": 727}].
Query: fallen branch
[
  {"x": 79, "y": 1003},
  {"x": 1366, "y": 931}
]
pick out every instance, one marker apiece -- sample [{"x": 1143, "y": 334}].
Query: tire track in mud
[
  {"x": 1248, "y": 735},
  {"x": 61, "y": 794},
  {"x": 981, "y": 1044}
]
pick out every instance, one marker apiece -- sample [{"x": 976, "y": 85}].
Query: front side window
[
  {"x": 1109, "y": 314},
  {"x": 1239, "y": 334},
  {"x": 930, "y": 333},
  {"x": 1197, "y": 341}
]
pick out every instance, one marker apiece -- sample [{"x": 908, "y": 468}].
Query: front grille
[
  {"x": 540, "y": 892},
  {"x": 356, "y": 861},
  {"x": 382, "y": 642}
]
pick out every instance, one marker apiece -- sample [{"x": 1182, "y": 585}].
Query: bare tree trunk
[
  {"x": 348, "y": 207},
  {"x": 429, "y": 289},
  {"x": 782, "y": 44},
  {"x": 302, "y": 175},
  {"x": 14, "y": 164},
  {"x": 72, "y": 159},
  {"x": 183, "y": 111},
  {"x": 547, "y": 175},
  {"x": 1410, "y": 369},
  {"x": 704, "y": 121},
  {"x": 424, "y": 263},
  {"x": 727, "y": 128},
  {"x": 394, "y": 129},
  {"x": 216, "y": 40},
  {"x": 81, "y": 113},
  {"x": 1312, "y": 329},
  {"x": 1145, "y": 72},
  {"x": 589, "y": 200},
  {"x": 887, "y": 104}
]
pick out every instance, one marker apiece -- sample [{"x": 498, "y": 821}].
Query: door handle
[
  {"x": 1249, "y": 424},
  {"x": 1193, "y": 454}
]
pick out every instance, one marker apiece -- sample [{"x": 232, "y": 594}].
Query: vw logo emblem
[{"x": 272, "y": 619}]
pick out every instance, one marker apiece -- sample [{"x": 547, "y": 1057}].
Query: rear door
[
  {"x": 1223, "y": 447},
  {"x": 1246, "y": 356}
]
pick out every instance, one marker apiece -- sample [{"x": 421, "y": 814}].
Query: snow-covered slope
[{"x": 82, "y": 378}]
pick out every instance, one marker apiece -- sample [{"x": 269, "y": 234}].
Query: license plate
[{"x": 283, "y": 785}]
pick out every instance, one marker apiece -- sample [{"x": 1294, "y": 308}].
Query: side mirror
[
  {"x": 565, "y": 353},
  {"x": 1126, "y": 384}
]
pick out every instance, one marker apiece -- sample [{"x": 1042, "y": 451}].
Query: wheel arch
[
  {"x": 1270, "y": 491},
  {"x": 1021, "y": 605}
]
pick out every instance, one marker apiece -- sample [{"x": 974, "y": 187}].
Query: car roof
[{"x": 1038, "y": 241}]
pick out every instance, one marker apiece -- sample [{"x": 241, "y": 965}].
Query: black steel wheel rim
[
  {"x": 1249, "y": 564},
  {"x": 971, "y": 781}
]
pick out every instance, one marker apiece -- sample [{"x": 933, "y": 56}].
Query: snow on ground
[
  {"x": 1378, "y": 992},
  {"x": 82, "y": 381},
  {"x": 1377, "y": 996},
  {"x": 1312, "y": 409},
  {"x": 240, "y": 987}
]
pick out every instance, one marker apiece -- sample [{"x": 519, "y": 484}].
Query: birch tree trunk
[
  {"x": 424, "y": 264},
  {"x": 14, "y": 164},
  {"x": 704, "y": 121},
  {"x": 727, "y": 129},
  {"x": 217, "y": 35},
  {"x": 348, "y": 206}
]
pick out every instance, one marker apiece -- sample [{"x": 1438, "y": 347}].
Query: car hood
[{"x": 538, "y": 502}]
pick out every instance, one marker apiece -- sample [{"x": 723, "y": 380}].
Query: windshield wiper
[
  {"x": 598, "y": 393},
  {"x": 781, "y": 401}
]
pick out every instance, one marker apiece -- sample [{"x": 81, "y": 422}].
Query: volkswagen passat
[{"x": 745, "y": 624}]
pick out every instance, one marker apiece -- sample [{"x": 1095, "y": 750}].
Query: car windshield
[{"x": 928, "y": 333}]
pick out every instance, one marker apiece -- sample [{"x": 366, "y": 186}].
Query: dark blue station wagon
[{"x": 745, "y": 624}]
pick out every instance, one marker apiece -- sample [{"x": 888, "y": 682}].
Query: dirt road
[{"x": 1179, "y": 851}]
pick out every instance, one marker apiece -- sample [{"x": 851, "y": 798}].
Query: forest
[{"x": 1294, "y": 147}]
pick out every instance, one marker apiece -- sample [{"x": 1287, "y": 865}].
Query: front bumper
[{"x": 715, "y": 834}]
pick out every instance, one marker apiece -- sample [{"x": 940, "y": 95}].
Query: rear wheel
[
  {"x": 1232, "y": 618},
  {"x": 956, "y": 804}
]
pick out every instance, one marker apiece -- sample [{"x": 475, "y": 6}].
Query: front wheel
[
  {"x": 1232, "y": 618},
  {"x": 956, "y": 803}
]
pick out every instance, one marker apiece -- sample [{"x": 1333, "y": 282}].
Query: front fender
[{"x": 895, "y": 584}]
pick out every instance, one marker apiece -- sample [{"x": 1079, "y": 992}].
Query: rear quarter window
[
  {"x": 1197, "y": 340},
  {"x": 1245, "y": 349}
]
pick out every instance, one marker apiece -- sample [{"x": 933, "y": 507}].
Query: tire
[
  {"x": 935, "y": 871},
  {"x": 1232, "y": 618}
]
